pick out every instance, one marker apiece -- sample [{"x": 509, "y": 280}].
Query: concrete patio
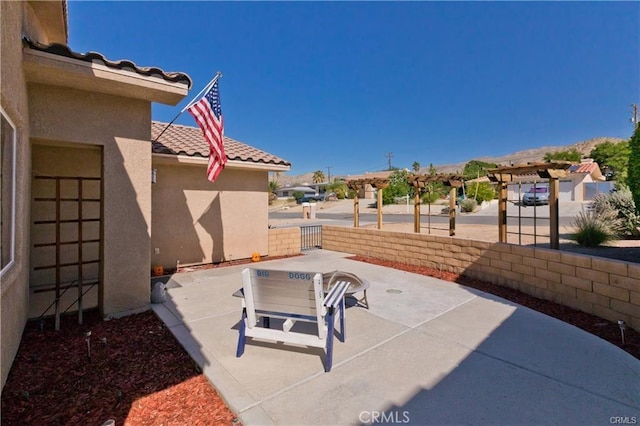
[{"x": 427, "y": 352}]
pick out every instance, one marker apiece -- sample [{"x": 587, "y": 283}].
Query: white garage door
[{"x": 566, "y": 190}]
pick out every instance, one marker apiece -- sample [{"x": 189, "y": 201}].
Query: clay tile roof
[
  {"x": 64, "y": 50},
  {"x": 185, "y": 140},
  {"x": 584, "y": 168}
]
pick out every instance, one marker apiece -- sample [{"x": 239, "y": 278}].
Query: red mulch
[
  {"x": 229, "y": 263},
  {"x": 602, "y": 328},
  {"x": 137, "y": 374}
]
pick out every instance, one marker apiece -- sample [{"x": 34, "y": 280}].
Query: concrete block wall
[
  {"x": 284, "y": 241},
  {"x": 603, "y": 287}
]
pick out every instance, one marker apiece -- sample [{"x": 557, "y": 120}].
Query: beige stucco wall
[
  {"x": 122, "y": 128},
  {"x": 188, "y": 213},
  {"x": 13, "y": 97}
]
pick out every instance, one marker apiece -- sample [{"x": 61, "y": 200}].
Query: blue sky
[{"x": 342, "y": 84}]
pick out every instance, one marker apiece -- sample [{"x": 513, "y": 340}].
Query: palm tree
[
  {"x": 273, "y": 186},
  {"x": 318, "y": 176},
  {"x": 416, "y": 166}
]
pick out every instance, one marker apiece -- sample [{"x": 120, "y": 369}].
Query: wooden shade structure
[
  {"x": 420, "y": 183},
  {"x": 357, "y": 185},
  {"x": 553, "y": 171}
]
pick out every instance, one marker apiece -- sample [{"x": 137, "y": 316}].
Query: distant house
[
  {"x": 287, "y": 192},
  {"x": 585, "y": 180}
]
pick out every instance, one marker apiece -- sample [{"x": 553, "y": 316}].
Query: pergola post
[
  {"x": 452, "y": 211},
  {"x": 356, "y": 211},
  {"x": 379, "y": 195},
  {"x": 416, "y": 210},
  {"x": 502, "y": 212},
  {"x": 554, "y": 231}
]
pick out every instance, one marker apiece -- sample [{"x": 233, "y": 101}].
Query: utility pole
[
  {"x": 390, "y": 156},
  {"x": 329, "y": 174},
  {"x": 634, "y": 118}
]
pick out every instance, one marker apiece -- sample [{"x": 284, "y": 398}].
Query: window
[{"x": 8, "y": 193}]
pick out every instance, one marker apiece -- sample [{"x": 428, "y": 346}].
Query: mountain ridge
[{"x": 519, "y": 157}]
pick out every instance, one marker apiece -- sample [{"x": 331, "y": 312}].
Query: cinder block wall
[
  {"x": 284, "y": 241},
  {"x": 607, "y": 288}
]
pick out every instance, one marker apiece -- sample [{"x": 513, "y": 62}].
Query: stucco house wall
[
  {"x": 189, "y": 213},
  {"x": 14, "y": 286},
  {"x": 59, "y": 100},
  {"x": 196, "y": 221},
  {"x": 121, "y": 127}
]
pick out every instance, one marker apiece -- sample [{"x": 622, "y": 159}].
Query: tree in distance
[
  {"x": 613, "y": 159},
  {"x": 318, "y": 176},
  {"x": 570, "y": 155},
  {"x": 634, "y": 167}
]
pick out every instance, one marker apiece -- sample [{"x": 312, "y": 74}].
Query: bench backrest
[{"x": 285, "y": 292}]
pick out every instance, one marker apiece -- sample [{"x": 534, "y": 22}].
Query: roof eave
[
  {"x": 56, "y": 70},
  {"x": 231, "y": 164}
]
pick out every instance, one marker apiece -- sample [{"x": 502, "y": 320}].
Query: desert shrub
[
  {"x": 622, "y": 205},
  {"x": 596, "y": 228},
  {"x": 482, "y": 191},
  {"x": 468, "y": 205},
  {"x": 297, "y": 195}
]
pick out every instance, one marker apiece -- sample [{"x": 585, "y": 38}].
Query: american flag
[{"x": 208, "y": 114}]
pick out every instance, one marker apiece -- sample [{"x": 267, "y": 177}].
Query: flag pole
[{"x": 207, "y": 87}]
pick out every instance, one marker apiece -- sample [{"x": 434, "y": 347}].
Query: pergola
[
  {"x": 357, "y": 185},
  {"x": 553, "y": 171},
  {"x": 420, "y": 185},
  {"x": 419, "y": 182}
]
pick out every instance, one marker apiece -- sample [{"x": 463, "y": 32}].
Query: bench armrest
[{"x": 336, "y": 294}]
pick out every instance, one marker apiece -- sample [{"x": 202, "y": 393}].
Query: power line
[{"x": 390, "y": 156}]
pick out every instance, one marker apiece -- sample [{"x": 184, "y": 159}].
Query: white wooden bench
[{"x": 290, "y": 296}]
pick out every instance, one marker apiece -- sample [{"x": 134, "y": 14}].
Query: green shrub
[
  {"x": 623, "y": 207},
  {"x": 297, "y": 195},
  {"x": 398, "y": 187},
  {"x": 596, "y": 228},
  {"x": 430, "y": 197},
  {"x": 468, "y": 205},
  {"x": 482, "y": 191}
]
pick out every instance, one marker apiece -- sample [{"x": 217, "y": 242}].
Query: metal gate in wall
[{"x": 310, "y": 237}]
